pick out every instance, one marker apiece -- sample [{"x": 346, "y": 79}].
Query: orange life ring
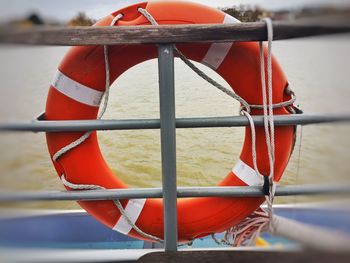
[{"x": 78, "y": 87}]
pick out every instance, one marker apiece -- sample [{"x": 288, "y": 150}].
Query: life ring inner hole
[{"x": 204, "y": 155}]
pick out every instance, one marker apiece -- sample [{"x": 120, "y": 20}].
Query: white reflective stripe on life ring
[
  {"x": 218, "y": 51},
  {"x": 133, "y": 210},
  {"x": 247, "y": 174},
  {"x": 76, "y": 91}
]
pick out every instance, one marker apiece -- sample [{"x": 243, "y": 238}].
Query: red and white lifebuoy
[{"x": 76, "y": 92}]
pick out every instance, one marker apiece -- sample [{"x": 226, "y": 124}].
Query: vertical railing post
[{"x": 168, "y": 143}]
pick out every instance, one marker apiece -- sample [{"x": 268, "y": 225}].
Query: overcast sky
[{"x": 65, "y": 9}]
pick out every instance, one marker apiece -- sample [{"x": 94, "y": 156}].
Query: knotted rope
[{"x": 249, "y": 229}]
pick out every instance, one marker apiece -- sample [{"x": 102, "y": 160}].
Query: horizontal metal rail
[
  {"x": 134, "y": 124},
  {"x": 182, "y": 192},
  {"x": 255, "y": 31}
]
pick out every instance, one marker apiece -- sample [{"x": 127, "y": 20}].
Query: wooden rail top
[{"x": 77, "y": 36}]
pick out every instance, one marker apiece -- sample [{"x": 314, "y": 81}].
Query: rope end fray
[{"x": 246, "y": 232}]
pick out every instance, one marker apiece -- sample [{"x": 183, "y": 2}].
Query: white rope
[
  {"x": 71, "y": 146},
  {"x": 246, "y": 232},
  {"x": 116, "y": 202},
  {"x": 80, "y": 186},
  {"x": 200, "y": 73},
  {"x": 253, "y": 134},
  {"x": 229, "y": 92},
  {"x": 86, "y": 135},
  {"x": 267, "y": 95},
  {"x": 268, "y": 114}
]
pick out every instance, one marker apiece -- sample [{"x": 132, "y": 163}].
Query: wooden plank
[
  {"x": 245, "y": 257},
  {"x": 165, "y": 34}
]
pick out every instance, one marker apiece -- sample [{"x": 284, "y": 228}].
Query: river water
[{"x": 318, "y": 69}]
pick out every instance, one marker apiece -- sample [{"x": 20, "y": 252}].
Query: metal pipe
[
  {"x": 168, "y": 144},
  {"x": 182, "y": 192},
  {"x": 135, "y": 124}
]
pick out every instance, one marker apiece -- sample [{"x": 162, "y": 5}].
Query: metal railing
[
  {"x": 167, "y": 36},
  {"x": 40, "y": 125}
]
